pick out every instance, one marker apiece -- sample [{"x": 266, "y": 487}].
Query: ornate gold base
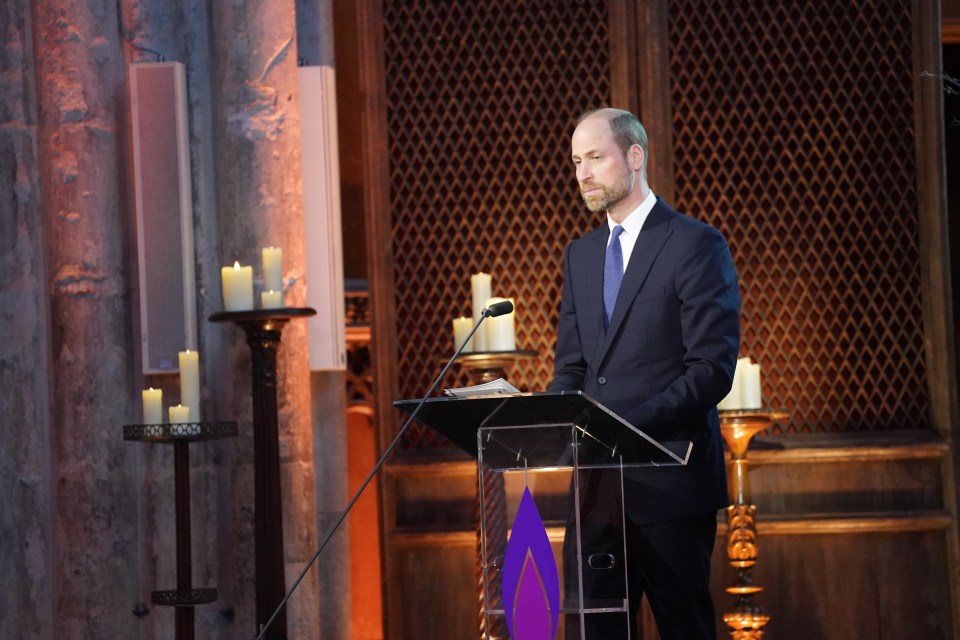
[{"x": 746, "y": 621}]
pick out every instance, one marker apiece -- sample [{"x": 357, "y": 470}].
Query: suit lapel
[
  {"x": 649, "y": 243},
  {"x": 593, "y": 273}
]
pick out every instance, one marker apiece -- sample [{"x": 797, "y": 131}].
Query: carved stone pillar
[
  {"x": 80, "y": 89},
  {"x": 260, "y": 203},
  {"x": 25, "y": 354}
]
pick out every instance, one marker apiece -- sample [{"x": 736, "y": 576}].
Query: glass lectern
[{"x": 544, "y": 431}]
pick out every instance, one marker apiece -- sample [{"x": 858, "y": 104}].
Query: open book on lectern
[{"x": 540, "y": 430}]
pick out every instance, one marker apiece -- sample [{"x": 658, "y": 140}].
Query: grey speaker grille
[{"x": 164, "y": 217}]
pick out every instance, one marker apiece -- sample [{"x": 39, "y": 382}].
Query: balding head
[{"x": 626, "y": 127}]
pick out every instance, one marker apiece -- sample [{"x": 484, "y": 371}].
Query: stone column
[
  {"x": 259, "y": 195},
  {"x": 83, "y": 159},
  {"x": 330, "y": 452},
  {"x": 315, "y": 48},
  {"x": 180, "y": 31},
  {"x": 25, "y": 535}
]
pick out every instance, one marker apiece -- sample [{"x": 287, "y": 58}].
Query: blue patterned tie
[{"x": 612, "y": 274}]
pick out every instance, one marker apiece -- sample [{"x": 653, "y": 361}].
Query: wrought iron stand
[
  {"x": 263, "y": 327},
  {"x": 184, "y": 597}
]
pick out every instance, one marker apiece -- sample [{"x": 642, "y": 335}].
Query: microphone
[
  {"x": 493, "y": 310},
  {"x": 497, "y": 309}
]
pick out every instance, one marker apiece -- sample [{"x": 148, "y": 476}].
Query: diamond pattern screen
[
  {"x": 482, "y": 97},
  {"x": 793, "y": 134}
]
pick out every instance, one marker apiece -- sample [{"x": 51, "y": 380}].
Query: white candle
[
  {"x": 271, "y": 299},
  {"x": 272, "y": 270},
  {"x": 179, "y": 414},
  {"x": 727, "y": 403},
  {"x": 480, "y": 290},
  {"x": 461, "y": 329},
  {"x": 237, "y": 287},
  {"x": 190, "y": 383},
  {"x": 152, "y": 406},
  {"x": 500, "y": 330},
  {"x": 751, "y": 387},
  {"x": 734, "y": 399}
]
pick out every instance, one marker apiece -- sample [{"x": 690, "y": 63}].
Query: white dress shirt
[{"x": 632, "y": 225}]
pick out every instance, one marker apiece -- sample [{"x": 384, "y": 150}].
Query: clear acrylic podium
[{"x": 553, "y": 431}]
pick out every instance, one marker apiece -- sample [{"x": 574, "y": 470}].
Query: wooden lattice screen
[
  {"x": 793, "y": 127},
  {"x": 481, "y": 101},
  {"x": 792, "y": 133}
]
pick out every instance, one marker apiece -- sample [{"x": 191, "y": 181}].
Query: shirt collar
[{"x": 635, "y": 219}]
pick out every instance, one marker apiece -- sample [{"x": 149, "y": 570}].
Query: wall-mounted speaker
[
  {"x": 162, "y": 190},
  {"x": 326, "y": 331}
]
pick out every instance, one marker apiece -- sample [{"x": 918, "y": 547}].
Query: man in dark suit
[{"x": 649, "y": 327}]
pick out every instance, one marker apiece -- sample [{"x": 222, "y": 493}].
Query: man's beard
[{"x": 609, "y": 195}]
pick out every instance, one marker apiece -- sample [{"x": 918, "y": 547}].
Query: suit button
[{"x": 602, "y": 380}]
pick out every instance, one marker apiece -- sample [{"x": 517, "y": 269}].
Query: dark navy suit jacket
[{"x": 666, "y": 359}]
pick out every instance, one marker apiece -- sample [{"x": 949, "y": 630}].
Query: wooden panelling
[
  {"x": 854, "y": 586},
  {"x": 849, "y": 583},
  {"x": 847, "y": 474},
  {"x": 438, "y": 598},
  {"x": 852, "y": 535},
  {"x": 826, "y": 179},
  {"x": 776, "y": 146}
]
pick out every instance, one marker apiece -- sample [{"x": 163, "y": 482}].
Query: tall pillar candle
[
  {"x": 152, "y": 406},
  {"x": 190, "y": 383},
  {"x": 481, "y": 291},
  {"x": 734, "y": 399},
  {"x": 461, "y": 329},
  {"x": 237, "y": 287},
  {"x": 179, "y": 414},
  {"x": 501, "y": 334},
  {"x": 751, "y": 386},
  {"x": 273, "y": 269}
]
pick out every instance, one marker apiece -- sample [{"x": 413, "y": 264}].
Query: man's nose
[{"x": 583, "y": 173}]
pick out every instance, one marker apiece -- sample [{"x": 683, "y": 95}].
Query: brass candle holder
[{"x": 747, "y": 618}]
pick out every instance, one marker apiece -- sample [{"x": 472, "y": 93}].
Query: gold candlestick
[
  {"x": 487, "y": 366},
  {"x": 747, "y": 618}
]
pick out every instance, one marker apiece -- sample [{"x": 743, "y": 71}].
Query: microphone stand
[{"x": 376, "y": 468}]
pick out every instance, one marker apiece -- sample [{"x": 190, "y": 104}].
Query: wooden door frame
[{"x": 935, "y": 265}]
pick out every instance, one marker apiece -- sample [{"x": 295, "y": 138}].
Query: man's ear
[{"x": 635, "y": 156}]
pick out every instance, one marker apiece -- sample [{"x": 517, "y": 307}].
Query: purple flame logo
[{"x": 531, "y": 583}]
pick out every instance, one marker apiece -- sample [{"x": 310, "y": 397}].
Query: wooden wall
[{"x": 810, "y": 135}]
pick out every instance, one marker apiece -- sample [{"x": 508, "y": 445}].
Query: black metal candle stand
[{"x": 180, "y": 435}]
